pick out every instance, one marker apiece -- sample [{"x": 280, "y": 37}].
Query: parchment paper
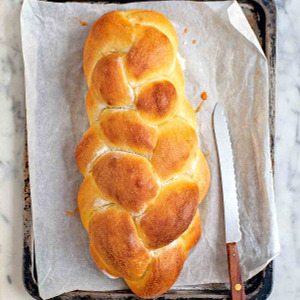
[{"x": 225, "y": 61}]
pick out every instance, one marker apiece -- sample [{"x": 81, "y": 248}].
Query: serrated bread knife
[{"x": 231, "y": 213}]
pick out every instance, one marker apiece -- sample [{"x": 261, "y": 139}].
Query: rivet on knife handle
[{"x": 236, "y": 283}]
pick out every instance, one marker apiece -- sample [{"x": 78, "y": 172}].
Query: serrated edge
[{"x": 233, "y": 162}]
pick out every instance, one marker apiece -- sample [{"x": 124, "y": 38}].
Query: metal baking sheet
[{"x": 261, "y": 15}]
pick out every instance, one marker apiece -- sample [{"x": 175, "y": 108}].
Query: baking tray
[{"x": 261, "y": 15}]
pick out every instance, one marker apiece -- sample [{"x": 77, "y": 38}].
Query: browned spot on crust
[
  {"x": 157, "y": 100},
  {"x": 126, "y": 179},
  {"x": 170, "y": 215},
  {"x": 113, "y": 234},
  {"x": 151, "y": 53},
  {"x": 176, "y": 148},
  {"x": 109, "y": 83},
  {"x": 125, "y": 129}
]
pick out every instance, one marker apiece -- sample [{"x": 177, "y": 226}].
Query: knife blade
[
  {"x": 230, "y": 201},
  {"x": 232, "y": 226}
]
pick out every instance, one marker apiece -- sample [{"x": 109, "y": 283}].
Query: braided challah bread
[{"x": 144, "y": 173}]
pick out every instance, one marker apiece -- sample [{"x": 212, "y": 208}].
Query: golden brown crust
[
  {"x": 201, "y": 175},
  {"x": 163, "y": 271},
  {"x": 101, "y": 265},
  {"x": 170, "y": 215},
  {"x": 187, "y": 112},
  {"x": 113, "y": 235},
  {"x": 177, "y": 78},
  {"x": 154, "y": 19},
  {"x": 88, "y": 148},
  {"x": 151, "y": 54},
  {"x": 126, "y": 130},
  {"x": 144, "y": 173},
  {"x": 192, "y": 235},
  {"x": 126, "y": 179},
  {"x": 176, "y": 148},
  {"x": 157, "y": 101},
  {"x": 109, "y": 84},
  {"x": 89, "y": 199},
  {"x": 93, "y": 107},
  {"x": 111, "y": 32}
]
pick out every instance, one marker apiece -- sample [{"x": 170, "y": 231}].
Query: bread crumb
[
  {"x": 257, "y": 73},
  {"x": 82, "y": 23},
  {"x": 207, "y": 155},
  {"x": 204, "y": 96},
  {"x": 69, "y": 213},
  {"x": 185, "y": 31},
  {"x": 199, "y": 107},
  {"x": 194, "y": 41}
]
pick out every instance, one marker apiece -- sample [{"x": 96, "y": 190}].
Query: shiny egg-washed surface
[{"x": 144, "y": 172}]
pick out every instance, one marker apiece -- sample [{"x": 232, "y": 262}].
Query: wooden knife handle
[{"x": 236, "y": 283}]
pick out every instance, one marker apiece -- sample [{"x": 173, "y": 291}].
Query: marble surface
[{"x": 287, "y": 164}]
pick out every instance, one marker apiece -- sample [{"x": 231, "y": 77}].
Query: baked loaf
[{"x": 144, "y": 173}]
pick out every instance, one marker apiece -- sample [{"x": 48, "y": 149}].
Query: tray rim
[{"x": 264, "y": 289}]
